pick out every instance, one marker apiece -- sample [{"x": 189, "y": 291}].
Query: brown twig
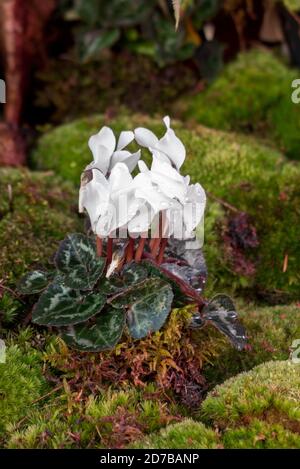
[{"x": 223, "y": 202}]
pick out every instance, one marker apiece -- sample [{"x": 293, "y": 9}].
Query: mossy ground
[
  {"x": 249, "y": 176},
  {"x": 74, "y": 400},
  {"x": 253, "y": 94},
  {"x": 36, "y": 211}
]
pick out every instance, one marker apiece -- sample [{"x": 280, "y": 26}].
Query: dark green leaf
[
  {"x": 134, "y": 273},
  {"x": 149, "y": 304},
  {"x": 77, "y": 260},
  {"x": 59, "y": 305},
  {"x": 102, "y": 335},
  {"x": 220, "y": 311},
  {"x": 34, "y": 282}
]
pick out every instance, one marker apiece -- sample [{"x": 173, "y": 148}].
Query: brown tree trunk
[{"x": 22, "y": 24}]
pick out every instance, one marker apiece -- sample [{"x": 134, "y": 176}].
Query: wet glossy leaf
[
  {"x": 220, "y": 311},
  {"x": 34, "y": 282},
  {"x": 104, "y": 334},
  {"x": 77, "y": 260},
  {"x": 59, "y": 305},
  {"x": 188, "y": 262}
]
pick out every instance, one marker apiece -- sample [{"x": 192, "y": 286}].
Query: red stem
[
  {"x": 140, "y": 249},
  {"x": 162, "y": 250},
  {"x": 109, "y": 250},
  {"x": 99, "y": 246},
  {"x": 130, "y": 250},
  {"x": 155, "y": 248}
]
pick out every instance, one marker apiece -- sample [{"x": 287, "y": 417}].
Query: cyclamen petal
[
  {"x": 104, "y": 137},
  {"x": 172, "y": 147},
  {"x": 145, "y": 137},
  {"x": 126, "y": 137}
]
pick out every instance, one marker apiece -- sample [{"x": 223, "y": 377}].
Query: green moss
[
  {"x": 39, "y": 212},
  {"x": 112, "y": 420},
  {"x": 21, "y": 383},
  {"x": 253, "y": 94},
  {"x": 250, "y": 176},
  {"x": 271, "y": 332},
  {"x": 256, "y": 403},
  {"x": 261, "y": 435},
  {"x": 186, "y": 434}
]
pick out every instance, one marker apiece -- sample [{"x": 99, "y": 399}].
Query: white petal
[
  {"x": 104, "y": 137},
  {"x": 94, "y": 197},
  {"x": 120, "y": 178},
  {"x": 131, "y": 160},
  {"x": 142, "y": 221},
  {"x": 101, "y": 159},
  {"x": 126, "y": 137},
  {"x": 143, "y": 167},
  {"x": 167, "y": 121},
  {"x": 118, "y": 157},
  {"x": 163, "y": 167},
  {"x": 159, "y": 156},
  {"x": 145, "y": 137},
  {"x": 195, "y": 206},
  {"x": 146, "y": 191},
  {"x": 170, "y": 187},
  {"x": 172, "y": 147}
]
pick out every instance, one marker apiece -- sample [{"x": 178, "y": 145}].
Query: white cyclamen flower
[
  {"x": 110, "y": 203},
  {"x": 170, "y": 147},
  {"x": 107, "y": 153}
]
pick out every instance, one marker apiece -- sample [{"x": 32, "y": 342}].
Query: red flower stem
[
  {"x": 155, "y": 248},
  {"x": 140, "y": 249},
  {"x": 109, "y": 250},
  {"x": 162, "y": 250},
  {"x": 99, "y": 245},
  {"x": 129, "y": 250}
]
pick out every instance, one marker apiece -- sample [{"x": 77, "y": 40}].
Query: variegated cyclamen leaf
[
  {"x": 148, "y": 306},
  {"x": 104, "y": 334},
  {"x": 134, "y": 273},
  {"x": 221, "y": 312},
  {"x": 77, "y": 260},
  {"x": 59, "y": 305},
  {"x": 34, "y": 282}
]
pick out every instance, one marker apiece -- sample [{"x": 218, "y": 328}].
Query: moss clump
[
  {"x": 69, "y": 89},
  {"x": 21, "y": 383},
  {"x": 253, "y": 94},
  {"x": 112, "y": 420},
  {"x": 271, "y": 332},
  {"x": 36, "y": 211},
  {"x": 183, "y": 435},
  {"x": 249, "y": 176},
  {"x": 258, "y": 409}
]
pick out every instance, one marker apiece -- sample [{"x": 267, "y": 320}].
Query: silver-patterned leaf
[
  {"x": 104, "y": 334},
  {"x": 34, "y": 282},
  {"x": 59, "y": 305},
  {"x": 220, "y": 311},
  {"x": 77, "y": 260},
  {"x": 148, "y": 306}
]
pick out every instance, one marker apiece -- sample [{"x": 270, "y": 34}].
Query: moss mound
[
  {"x": 36, "y": 211},
  {"x": 253, "y": 94},
  {"x": 258, "y": 409},
  {"x": 21, "y": 383},
  {"x": 186, "y": 434},
  {"x": 245, "y": 174}
]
